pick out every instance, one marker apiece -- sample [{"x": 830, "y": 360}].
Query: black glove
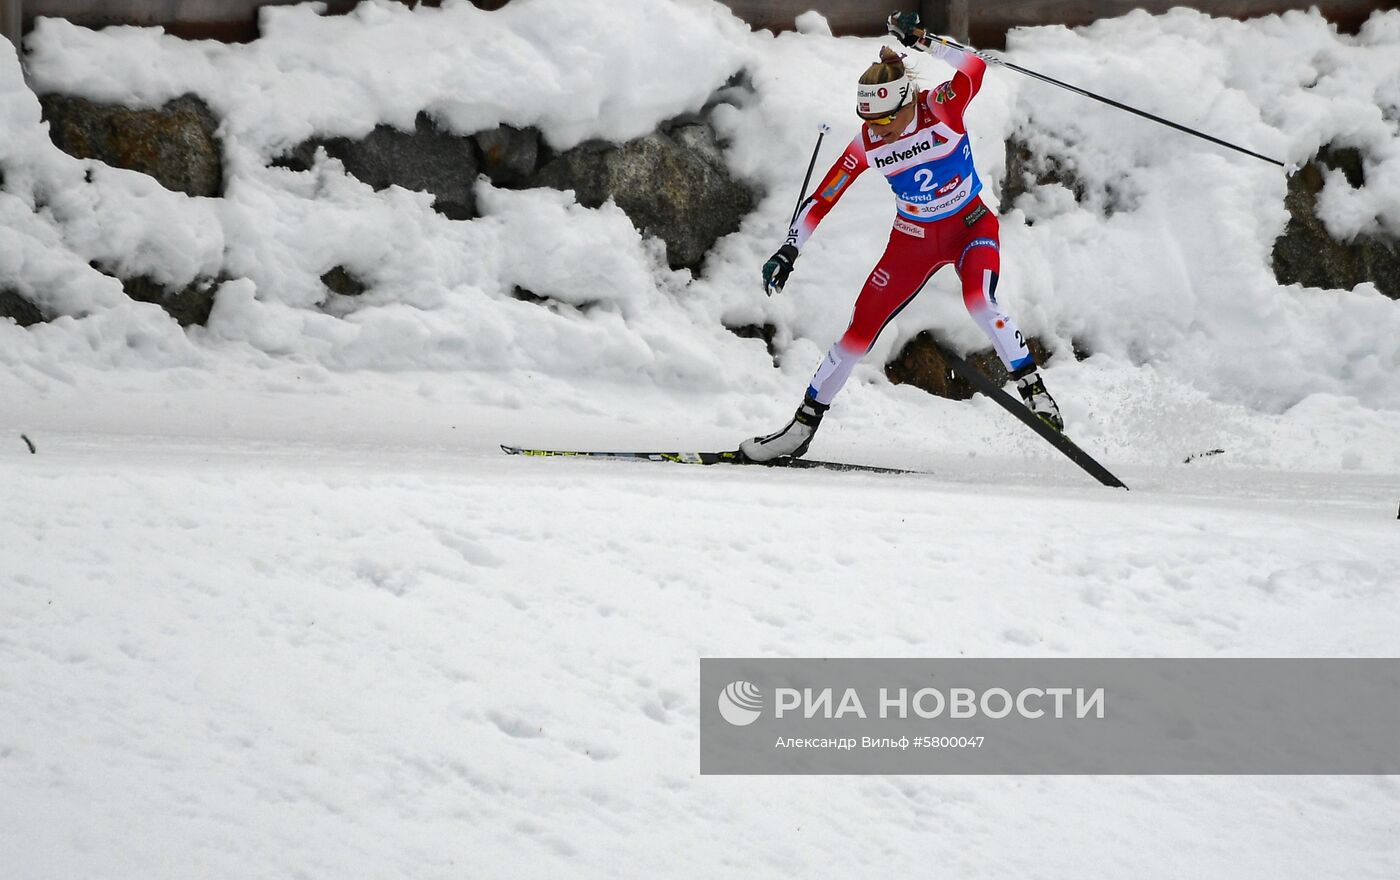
[
  {"x": 778, "y": 268},
  {"x": 902, "y": 25}
]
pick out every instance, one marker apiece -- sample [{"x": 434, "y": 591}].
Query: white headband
[{"x": 882, "y": 99}]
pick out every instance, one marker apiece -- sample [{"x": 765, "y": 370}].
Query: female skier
[{"x": 918, "y": 139}]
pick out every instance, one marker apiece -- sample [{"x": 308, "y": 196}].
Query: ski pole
[
  {"x": 802, "y": 196},
  {"x": 1110, "y": 102}
]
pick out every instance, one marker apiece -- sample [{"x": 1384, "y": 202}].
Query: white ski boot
[
  {"x": 1032, "y": 389},
  {"x": 793, "y": 439}
]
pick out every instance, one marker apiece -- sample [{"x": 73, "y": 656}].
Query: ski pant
[{"x": 969, "y": 241}]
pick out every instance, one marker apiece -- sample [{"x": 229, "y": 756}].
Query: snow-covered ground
[
  {"x": 320, "y": 644},
  {"x": 275, "y": 605}
]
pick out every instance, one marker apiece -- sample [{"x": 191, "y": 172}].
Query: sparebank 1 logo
[{"x": 740, "y": 703}]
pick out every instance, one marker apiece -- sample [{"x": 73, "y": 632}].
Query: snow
[
  {"x": 277, "y": 606},
  {"x": 272, "y": 653}
]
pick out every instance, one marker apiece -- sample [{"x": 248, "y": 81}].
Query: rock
[
  {"x": 921, "y": 364},
  {"x": 15, "y": 306},
  {"x": 426, "y": 159},
  {"x": 1026, "y": 170},
  {"x": 699, "y": 138},
  {"x": 553, "y": 304},
  {"x": 175, "y": 144},
  {"x": 767, "y": 332},
  {"x": 343, "y": 288},
  {"x": 680, "y": 194},
  {"x": 672, "y": 184},
  {"x": 340, "y": 282},
  {"x": 188, "y": 305},
  {"x": 1307, "y": 254},
  {"x": 509, "y": 155}
]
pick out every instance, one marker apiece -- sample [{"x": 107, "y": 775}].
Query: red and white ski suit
[{"x": 941, "y": 221}]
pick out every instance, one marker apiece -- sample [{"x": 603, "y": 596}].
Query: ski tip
[{"x": 510, "y": 450}]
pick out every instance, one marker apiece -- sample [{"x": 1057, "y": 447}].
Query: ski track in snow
[{"x": 238, "y": 658}]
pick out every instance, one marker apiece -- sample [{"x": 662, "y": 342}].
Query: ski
[
  {"x": 707, "y": 458},
  {"x": 1018, "y": 409}
]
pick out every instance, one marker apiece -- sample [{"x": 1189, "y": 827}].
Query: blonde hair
[{"x": 889, "y": 68}]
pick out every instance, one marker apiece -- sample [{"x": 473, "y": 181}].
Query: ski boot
[
  {"x": 1032, "y": 389},
  {"x": 793, "y": 439}
]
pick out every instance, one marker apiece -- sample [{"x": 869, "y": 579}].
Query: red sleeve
[
  {"x": 837, "y": 180},
  {"x": 949, "y": 101}
]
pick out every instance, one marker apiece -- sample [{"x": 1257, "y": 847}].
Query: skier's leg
[
  {"x": 979, "y": 267},
  {"x": 896, "y": 279},
  {"x": 906, "y": 266}
]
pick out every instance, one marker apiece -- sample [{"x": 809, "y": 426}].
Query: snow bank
[
  {"x": 575, "y": 70},
  {"x": 1164, "y": 272},
  {"x": 1180, "y": 274}
]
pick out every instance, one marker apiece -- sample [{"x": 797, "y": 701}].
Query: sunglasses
[{"x": 881, "y": 120}]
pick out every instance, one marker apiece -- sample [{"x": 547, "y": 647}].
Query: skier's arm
[
  {"x": 969, "y": 66},
  {"x": 838, "y": 179},
  {"x": 952, "y": 97},
  {"x": 829, "y": 192}
]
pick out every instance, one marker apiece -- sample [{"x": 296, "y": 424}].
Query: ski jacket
[{"x": 929, "y": 167}]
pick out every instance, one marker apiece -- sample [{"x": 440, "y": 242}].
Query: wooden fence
[
  {"x": 991, "y": 20},
  {"x": 984, "y": 23}
]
